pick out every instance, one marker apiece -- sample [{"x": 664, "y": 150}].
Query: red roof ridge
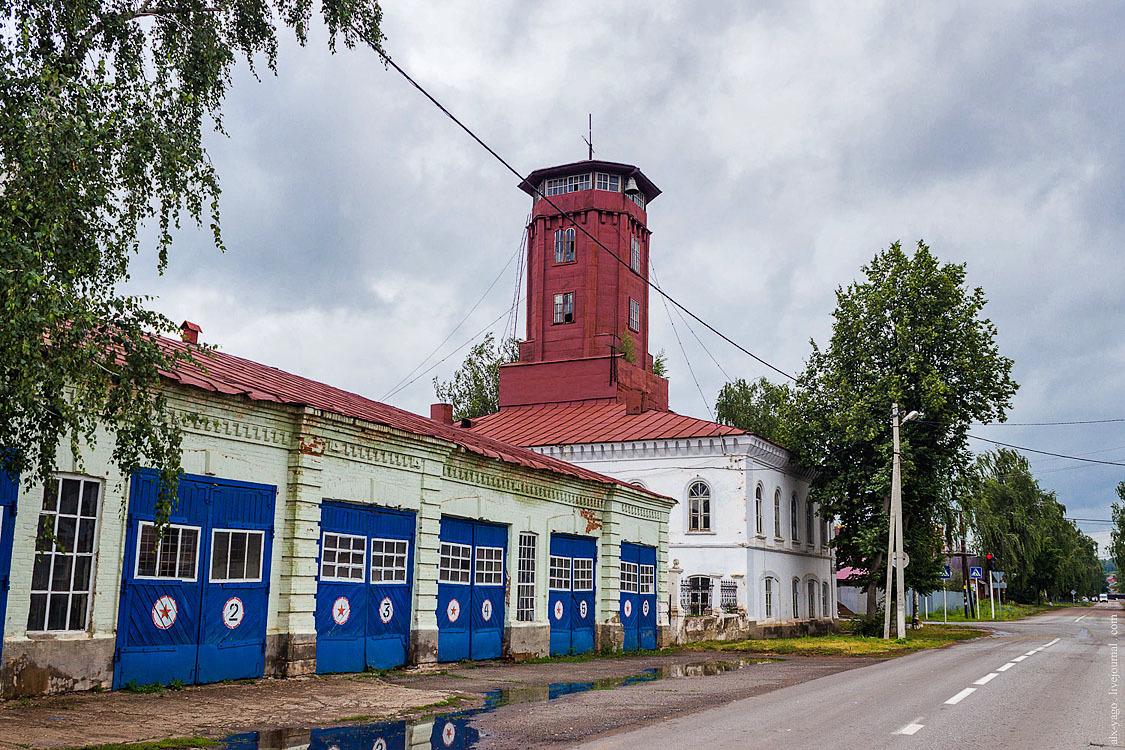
[{"x": 230, "y": 374}]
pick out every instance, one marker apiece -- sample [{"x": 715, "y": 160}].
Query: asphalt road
[{"x": 1046, "y": 682}]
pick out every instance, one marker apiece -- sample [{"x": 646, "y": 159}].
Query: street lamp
[{"x": 896, "y": 554}]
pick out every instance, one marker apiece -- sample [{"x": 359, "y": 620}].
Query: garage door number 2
[{"x": 233, "y": 612}]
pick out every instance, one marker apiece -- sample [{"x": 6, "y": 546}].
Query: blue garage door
[
  {"x": 364, "y": 585},
  {"x": 9, "y": 490},
  {"x": 638, "y": 596},
  {"x": 382, "y": 736},
  {"x": 194, "y": 601},
  {"x": 571, "y": 599},
  {"x": 471, "y": 570}
]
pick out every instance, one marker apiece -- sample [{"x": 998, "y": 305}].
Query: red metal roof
[
  {"x": 593, "y": 421},
  {"x": 224, "y": 373}
]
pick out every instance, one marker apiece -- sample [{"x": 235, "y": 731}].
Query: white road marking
[
  {"x": 1020, "y": 658},
  {"x": 1032, "y": 652},
  {"x": 1006, "y": 667},
  {"x": 910, "y": 729},
  {"x": 1076, "y": 619},
  {"x": 1051, "y": 643},
  {"x": 960, "y": 696},
  {"x": 984, "y": 680}
]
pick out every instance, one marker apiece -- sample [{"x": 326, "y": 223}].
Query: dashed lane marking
[
  {"x": 987, "y": 678},
  {"x": 1006, "y": 667},
  {"x": 1076, "y": 619},
  {"x": 1020, "y": 658},
  {"x": 910, "y": 729},
  {"x": 960, "y": 696},
  {"x": 1032, "y": 652},
  {"x": 1050, "y": 643}
]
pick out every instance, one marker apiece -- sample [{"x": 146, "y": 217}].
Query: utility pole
[{"x": 896, "y": 552}]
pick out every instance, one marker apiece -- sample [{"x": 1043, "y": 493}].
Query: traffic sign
[
  {"x": 905, "y": 560},
  {"x": 1002, "y": 585},
  {"x": 976, "y": 573},
  {"x": 1073, "y": 592},
  {"x": 946, "y": 572},
  {"x": 997, "y": 576}
]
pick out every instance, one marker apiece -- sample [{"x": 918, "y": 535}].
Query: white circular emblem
[
  {"x": 164, "y": 612},
  {"x": 380, "y": 744},
  {"x": 453, "y": 610},
  {"x": 333, "y": 747},
  {"x": 583, "y": 609},
  {"x": 644, "y": 608},
  {"x": 448, "y": 733},
  {"x": 341, "y": 610},
  {"x": 486, "y": 609},
  {"x": 628, "y": 607},
  {"x": 232, "y": 612},
  {"x": 386, "y": 611},
  {"x": 558, "y": 610}
]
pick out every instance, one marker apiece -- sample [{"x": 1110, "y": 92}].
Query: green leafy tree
[
  {"x": 102, "y": 112},
  {"x": 1026, "y": 529},
  {"x": 474, "y": 389},
  {"x": 1116, "y": 547},
  {"x": 760, "y": 407},
  {"x": 910, "y": 332}
]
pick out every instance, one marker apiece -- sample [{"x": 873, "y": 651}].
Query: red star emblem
[
  {"x": 164, "y": 612},
  {"x": 341, "y": 610}
]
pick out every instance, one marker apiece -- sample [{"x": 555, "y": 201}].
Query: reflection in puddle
[{"x": 454, "y": 730}]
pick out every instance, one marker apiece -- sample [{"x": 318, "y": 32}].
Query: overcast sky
[{"x": 792, "y": 141}]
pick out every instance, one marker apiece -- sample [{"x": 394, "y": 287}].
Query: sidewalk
[{"x": 217, "y": 711}]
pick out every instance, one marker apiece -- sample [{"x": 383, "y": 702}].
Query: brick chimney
[
  {"x": 442, "y": 413},
  {"x": 189, "y": 332}
]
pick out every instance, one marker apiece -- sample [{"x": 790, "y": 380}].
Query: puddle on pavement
[{"x": 454, "y": 729}]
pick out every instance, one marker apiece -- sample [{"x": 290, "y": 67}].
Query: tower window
[
  {"x": 635, "y": 255},
  {"x": 634, "y": 315},
  {"x": 564, "y": 245},
  {"x": 564, "y": 308},
  {"x": 699, "y": 507},
  {"x": 610, "y": 182},
  {"x": 571, "y": 184}
]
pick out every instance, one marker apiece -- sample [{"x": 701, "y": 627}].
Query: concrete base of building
[
  {"x": 423, "y": 647},
  {"x": 56, "y": 665},
  {"x": 609, "y": 636},
  {"x": 290, "y": 654},
  {"x": 735, "y": 627},
  {"x": 527, "y": 641}
]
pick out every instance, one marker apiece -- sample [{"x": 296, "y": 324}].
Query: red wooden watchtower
[{"x": 587, "y": 303}]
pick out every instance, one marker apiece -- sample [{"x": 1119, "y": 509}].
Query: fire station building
[{"x": 314, "y": 531}]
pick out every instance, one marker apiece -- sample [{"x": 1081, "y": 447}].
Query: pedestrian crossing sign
[{"x": 976, "y": 573}]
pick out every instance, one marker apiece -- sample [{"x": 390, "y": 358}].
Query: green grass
[
  {"x": 148, "y": 688},
  {"x": 169, "y": 744},
  {"x": 1009, "y": 611},
  {"x": 847, "y": 644}
]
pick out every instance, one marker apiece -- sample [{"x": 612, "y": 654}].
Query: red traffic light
[{"x": 988, "y": 556}]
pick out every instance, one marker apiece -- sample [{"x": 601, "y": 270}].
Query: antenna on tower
[{"x": 589, "y": 139}]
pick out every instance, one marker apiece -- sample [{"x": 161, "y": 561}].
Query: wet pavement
[{"x": 470, "y": 728}]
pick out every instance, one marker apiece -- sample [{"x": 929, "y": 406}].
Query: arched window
[
  {"x": 758, "y": 508},
  {"x": 825, "y": 532},
  {"x": 777, "y": 513},
  {"x": 769, "y": 599},
  {"x": 564, "y": 245},
  {"x": 810, "y": 527},
  {"x": 812, "y": 599},
  {"x": 796, "y": 598},
  {"x": 824, "y": 600},
  {"x": 794, "y": 519},
  {"x": 699, "y": 595},
  {"x": 699, "y": 507}
]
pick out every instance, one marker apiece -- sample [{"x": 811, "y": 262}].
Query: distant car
[
  {"x": 1085, "y": 598},
  {"x": 1103, "y": 598}
]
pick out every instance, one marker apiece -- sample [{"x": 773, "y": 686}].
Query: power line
[
  {"x": 523, "y": 181},
  {"x": 1046, "y": 453},
  {"x": 1050, "y": 424},
  {"x": 1088, "y": 520},
  {"x": 396, "y": 387},
  {"x": 474, "y": 337},
  {"x": 683, "y": 351}
]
